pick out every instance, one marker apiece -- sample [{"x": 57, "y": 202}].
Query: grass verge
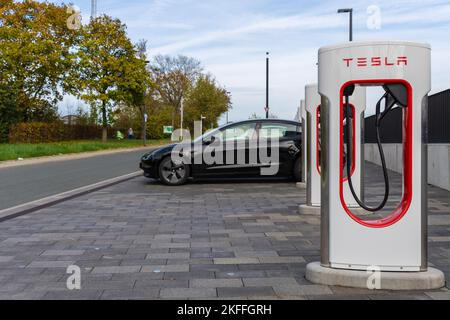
[{"x": 26, "y": 151}]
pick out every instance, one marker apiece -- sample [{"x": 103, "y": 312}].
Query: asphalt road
[{"x": 27, "y": 183}]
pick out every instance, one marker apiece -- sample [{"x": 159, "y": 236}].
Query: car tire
[
  {"x": 298, "y": 170},
  {"x": 171, "y": 174}
]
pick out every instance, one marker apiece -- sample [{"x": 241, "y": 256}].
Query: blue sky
[{"x": 230, "y": 38}]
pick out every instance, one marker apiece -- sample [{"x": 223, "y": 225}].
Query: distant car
[{"x": 235, "y": 141}]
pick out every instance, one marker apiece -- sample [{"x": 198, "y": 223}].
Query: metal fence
[{"x": 438, "y": 122}]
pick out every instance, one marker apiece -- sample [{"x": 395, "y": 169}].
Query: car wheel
[
  {"x": 173, "y": 174},
  {"x": 298, "y": 170}
]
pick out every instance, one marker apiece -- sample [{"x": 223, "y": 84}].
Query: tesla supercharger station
[
  {"x": 313, "y": 149},
  {"x": 304, "y": 139},
  {"x": 396, "y": 244}
]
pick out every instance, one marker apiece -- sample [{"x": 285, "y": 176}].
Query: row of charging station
[
  {"x": 312, "y": 146},
  {"x": 353, "y": 234}
]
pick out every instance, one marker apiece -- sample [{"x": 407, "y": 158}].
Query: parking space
[{"x": 143, "y": 240}]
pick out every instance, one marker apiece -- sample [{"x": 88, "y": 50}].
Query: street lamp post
[
  {"x": 182, "y": 117},
  {"x": 201, "y": 124},
  {"x": 93, "y": 9},
  {"x": 267, "y": 85},
  {"x": 228, "y": 93},
  {"x": 350, "y": 11},
  {"x": 144, "y": 125}
]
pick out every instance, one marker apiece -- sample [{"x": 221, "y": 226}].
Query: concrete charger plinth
[
  {"x": 309, "y": 210},
  {"x": 428, "y": 280},
  {"x": 301, "y": 185}
]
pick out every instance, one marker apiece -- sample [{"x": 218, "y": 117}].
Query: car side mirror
[{"x": 209, "y": 140}]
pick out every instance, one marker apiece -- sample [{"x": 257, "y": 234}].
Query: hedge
[{"x": 41, "y": 132}]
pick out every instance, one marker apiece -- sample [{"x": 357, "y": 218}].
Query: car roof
[{"x": 262, "y": 120}]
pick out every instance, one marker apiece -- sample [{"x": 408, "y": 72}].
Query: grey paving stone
[
  {"x": 174, "y": 255},
  {"x": 246, "y": 292},
  {"x": 146, "y": 283},
  {"x": 189, "y": 275},
  {"x": 63, "y": 252},
  {"x": 73, "y": 295},
  {"x": 12, "y": 287},
  {"x": 261, "y": 282},
  {"x": 215, "y": 283},
  {"x": 50, "y": 264},
  {"x": 117, "y": 269},
  {"x": 107, "y": 285},
  {"x": 235, "y": 260},
  {"x": 6, "y": 258},
  {"x": 187, "y": 293},
  {"x": 135, "y": 294},
  {"x": 26, "y": 295},
  {"x": 443, "y": 295},
  {"x": 166, "y": 268},
  {"x": 240, "y": 274}
]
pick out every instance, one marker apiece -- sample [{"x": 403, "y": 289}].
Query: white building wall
[{"x": 438, "y": 161}]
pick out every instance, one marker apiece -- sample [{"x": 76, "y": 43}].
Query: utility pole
[
  {"x": 145, "y": 124},
  {"x": 93, "y": 9},
  {"x": 201, "y": 124},
  {"x": 267, "y": 85},
  {"x": 181, "y": 116},
  {"x": 228, "y": 93},
  {"x": 350, "y": 12}
]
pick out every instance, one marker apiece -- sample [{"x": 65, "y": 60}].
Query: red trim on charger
[
  {"x": 352, "y": 169},
  {"x": 405, "y": 203}
]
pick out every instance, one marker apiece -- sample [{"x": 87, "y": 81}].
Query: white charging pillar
[
  {"x": 313, "y": 133},
  {"x": 397, "y": 242},
  {"x": 304, "y": 139},
  {"x": 352, "y": 246}
]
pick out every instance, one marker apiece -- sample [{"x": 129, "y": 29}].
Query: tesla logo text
[{"x": 376, "y": 61}]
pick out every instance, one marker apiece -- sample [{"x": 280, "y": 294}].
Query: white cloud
[{"x": 303, "y": 22}]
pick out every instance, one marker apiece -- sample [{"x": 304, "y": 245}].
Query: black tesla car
[{"x": 260, "y": 148}]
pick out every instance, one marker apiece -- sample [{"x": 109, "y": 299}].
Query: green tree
[
  {"x": 35, "y": 56},
  {"x": 206, "y": 98},
  {"x": 107, "y": 67},
  {"x": 172, "y": 78}
]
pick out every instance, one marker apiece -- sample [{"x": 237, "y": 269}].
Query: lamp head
[{"x": 345, "y": 10}]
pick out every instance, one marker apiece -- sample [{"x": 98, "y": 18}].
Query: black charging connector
[{"x": 395, "y": 94}]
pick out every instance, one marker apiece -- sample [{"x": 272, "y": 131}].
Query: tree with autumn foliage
[
  {"x": 108, "y": 68},
  {"x": 35, "y": 57},
  {"x": 205, "y": 98},
  {"x": 173, "y": 76}
]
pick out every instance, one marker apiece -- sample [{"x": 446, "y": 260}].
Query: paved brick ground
[{"x": 142, "y": 240}]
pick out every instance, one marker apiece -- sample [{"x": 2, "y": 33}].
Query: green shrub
[{"x": 41, "y": 132}]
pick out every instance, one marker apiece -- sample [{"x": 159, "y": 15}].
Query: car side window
[
  {"x": 239, "y": 132},
  {"x": 272, "y": 130}
]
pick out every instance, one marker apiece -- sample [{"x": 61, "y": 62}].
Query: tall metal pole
[
  {"x": 228, "y": 94},
  {"x": 182, "y": 116},
  {"x": 267, "y": 86},
  {"x": 145, "y": 124},
  {"x": 93, "y": 9},
  {"x": 350, "y": 12},
  {"x": 351, "y": 26}
]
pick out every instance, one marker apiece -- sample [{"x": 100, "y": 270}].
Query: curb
[
  {"x": 309, "y": 210},
  {"x": 71, "y": 156},
  {"x": 23, "y": 209},
  {"x": 301, "y": 185}
]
